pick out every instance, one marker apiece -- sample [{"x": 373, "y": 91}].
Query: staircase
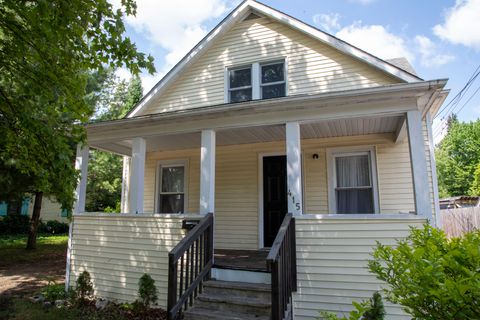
[{"x": 231, "y": 301}]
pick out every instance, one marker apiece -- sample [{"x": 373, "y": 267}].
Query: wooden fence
[{"x": 457, "y": 221}]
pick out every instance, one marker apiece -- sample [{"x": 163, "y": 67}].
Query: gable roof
[{"x": 241, "y": 12}]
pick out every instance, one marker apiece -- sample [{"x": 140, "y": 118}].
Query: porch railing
[
  {"x": 282, "y": 262},
  {"x": 189, "y": 265}
]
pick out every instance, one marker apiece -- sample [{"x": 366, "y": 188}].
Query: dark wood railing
[
  {"x": 282, "y": 262},
  {"x": 189, "y": 265}
]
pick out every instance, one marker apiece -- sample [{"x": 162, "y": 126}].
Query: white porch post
[
  {"x": 207, "y": 172},
  {"x": 81, "y": 163},
  {"x": 419, "y": 165},
  {"x": 294, "y": 168},
  {"x": 125, "y": 184},
  {"x": 137, "y": 175}
]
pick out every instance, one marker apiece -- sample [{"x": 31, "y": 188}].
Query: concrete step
[
  {"x": 199, "y": 313},
  {"x": 238, "y": 289}
]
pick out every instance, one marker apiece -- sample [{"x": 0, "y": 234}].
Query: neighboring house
[
  {"x": 266, "y": 115},
  {"x": 459, "y": 202},
  {"x": 51, "y": 210}
]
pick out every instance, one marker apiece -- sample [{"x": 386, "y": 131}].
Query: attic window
[{"x": 256, "y": 81}]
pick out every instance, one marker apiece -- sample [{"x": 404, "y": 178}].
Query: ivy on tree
[{"x": 47, "y": 49}]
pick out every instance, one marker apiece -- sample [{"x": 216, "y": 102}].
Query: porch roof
[{"x": 334, "y": 114}]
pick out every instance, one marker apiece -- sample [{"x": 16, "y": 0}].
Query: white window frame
[
  {"x": 332, "y": 153},
  {"x": 256, "y": 81},
  {"x": 158, "y": 180}
]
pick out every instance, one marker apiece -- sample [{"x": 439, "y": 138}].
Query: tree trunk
[{"x": 32, "y": 232}]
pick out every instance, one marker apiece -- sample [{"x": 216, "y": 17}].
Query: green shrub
[
  {"x": 372, "y": 309},
  {"x": 147, "y": 290},
  {"x": 84, "y": 286},
  {"x": 431, "y": 276},
  {"x": 53, "y": 227},
  {"x": 14, "y": 224},
  {"x": 54, "y": 291}
]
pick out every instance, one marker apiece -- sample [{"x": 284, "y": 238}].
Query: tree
[
  {"x": 458, "y": 156},
  {"x": 104, "y": 181},
  {"x": 47, "y": 48}
]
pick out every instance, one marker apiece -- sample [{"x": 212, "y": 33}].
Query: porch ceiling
[{"x": 267, "y": 133}]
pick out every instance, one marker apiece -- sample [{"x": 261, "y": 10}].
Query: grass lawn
[{"x": 12, "y": 249}]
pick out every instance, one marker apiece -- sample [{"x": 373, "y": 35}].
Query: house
[
  {"x": 288, "y": 151},
  {"x": 51, "y": 210}
]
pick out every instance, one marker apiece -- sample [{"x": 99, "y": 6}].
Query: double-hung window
[
  {"x": 352, "y": 183},
  {"x": 171, "y": 188},
  {"x": 240, "y": 84},
  {"x": 256, "y": 81},
  {"x": 272, "y": 80}
]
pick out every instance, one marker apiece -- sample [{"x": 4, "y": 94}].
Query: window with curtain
[
  {"x": 354, "y": 188},
  {"x": 172, "y": 189}
]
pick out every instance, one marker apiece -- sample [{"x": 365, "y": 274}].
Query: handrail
[
  {"x": 282, "y": 262},
  {"x": 189, "y": 265}
]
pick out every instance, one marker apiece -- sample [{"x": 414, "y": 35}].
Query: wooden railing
[
  {"x": 282, "y": 262},
  {"x": 189, "y": 265}
]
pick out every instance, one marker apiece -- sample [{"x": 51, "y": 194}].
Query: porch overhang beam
[{"x": 383, "y": 101}]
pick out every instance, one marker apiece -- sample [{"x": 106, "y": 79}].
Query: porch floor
[{"x": 251, "y": 260}]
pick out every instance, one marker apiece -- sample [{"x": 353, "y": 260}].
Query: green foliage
[
  {"x": 475, "y": 188},
  {"x": 14, "y": 224},
  {"x": 147, "y": 290},
  {"x": 104, "y": 182},
  {"x": 84, "y": 287},
  {"x": 458, "y": 157},
  {"x": 53, "y": 227},
  {"x": 431, "y": 276},
  {"x": 376, "y": 310},
  {"x": 47, "y": 51},
  {"x": 54, "y": 291},
  {"x": 355, "y": 314}
]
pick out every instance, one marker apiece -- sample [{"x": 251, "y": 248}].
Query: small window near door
[
  {"x": 352, "y": 186},
  {"x": 171, "y": 197},
  {"x": 240, "y": 84}
]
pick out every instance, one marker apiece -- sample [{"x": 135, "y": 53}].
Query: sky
[{"x": 440, "y": 38}]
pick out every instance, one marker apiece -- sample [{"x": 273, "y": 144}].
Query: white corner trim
[
  {"x": 433, "y": 165},
  {"x": 331, "y": 153},
  {"x": 69, "y": 255},
  {"x": 236, "y": 15}
]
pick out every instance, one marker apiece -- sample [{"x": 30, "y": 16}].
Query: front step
[{"x": 231, "y": 301}]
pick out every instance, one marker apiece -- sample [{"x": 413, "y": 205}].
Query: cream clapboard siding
[
  {"x": 51, "y": 210},
  {"x": 312, "y": 67},
  {"x": 332, "y": 257},
  {"x": 118, "y": 249},
  {"x": 238, "y": 177}
]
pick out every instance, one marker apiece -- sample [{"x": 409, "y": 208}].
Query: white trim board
[{"x": 237, "y": 15}]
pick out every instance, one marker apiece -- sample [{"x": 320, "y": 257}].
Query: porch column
[
  {"x": 81, "y": 163},
  {"x": 207, "y": 172},
  {"x": 294, "y": 168},
  {"x": 125, "y": 184},
  {"x": 137, "y": 175},
  {"x": 419, "y": 165}
]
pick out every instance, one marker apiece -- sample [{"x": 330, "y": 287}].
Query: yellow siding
[
  {"x": 395, "y": 178},
  {"x": 51, "y": 210},
  {"x": 237, "y": 183},
  {"x": 332, "y": 257},
  {"x": 312, "y": 67},
  {"x": 118, "y": 249}
]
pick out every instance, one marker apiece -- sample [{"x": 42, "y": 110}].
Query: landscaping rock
[
  {"x": 101, "y": 303},
  {"x": 59, "y": 303},
  {"x": 47, "y": 305},
  {"x": 37, "y": 299}
]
